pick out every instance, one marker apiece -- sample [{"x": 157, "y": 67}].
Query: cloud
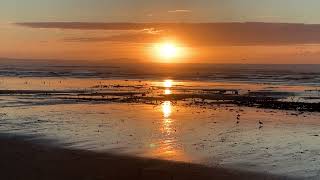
[
  {"x": 180, "y": 11},
  {"x": 86, "y": 25},
  {"x": 135, "y": 36},
  {"x": 129, "y": 37},
  {"x": 200, "y": 34}
]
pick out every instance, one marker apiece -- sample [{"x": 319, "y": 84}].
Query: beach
[
  {"x": 115, "y": 128},
  {"x": 159, "y": 90},
  {"x": 22, "y": 159},
  {"x": 283, "y": 145}
]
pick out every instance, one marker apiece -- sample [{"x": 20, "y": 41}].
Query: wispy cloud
[
  {"x": 86, "y": 25},
  {"x": 180, "y": 11},
  {"x": 140, "y": 37},
  {"x": 207, "y": 34}
]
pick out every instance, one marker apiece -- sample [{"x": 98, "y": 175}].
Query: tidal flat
[{"x": 212, "y": 124}]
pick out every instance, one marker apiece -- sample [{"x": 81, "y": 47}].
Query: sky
[
  {"x": 306, "y": 11},
  {"x": 213, "y": 43}
]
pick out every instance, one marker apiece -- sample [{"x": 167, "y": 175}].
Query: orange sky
[
  {"x": 66, "y": 29},
  {"x": 108, "y": 44}
]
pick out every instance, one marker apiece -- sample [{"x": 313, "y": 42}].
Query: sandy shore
[
  {"x": 26, "y": 160},
  {"x": 222, "y": 132}
]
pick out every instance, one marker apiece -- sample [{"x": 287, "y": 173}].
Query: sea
[{"x": 277, "y": 74}]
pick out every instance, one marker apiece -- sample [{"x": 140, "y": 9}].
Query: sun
[{"x": 167, "y": 50}]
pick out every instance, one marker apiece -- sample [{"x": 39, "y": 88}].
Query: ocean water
[{"x": 304, "y": 75}]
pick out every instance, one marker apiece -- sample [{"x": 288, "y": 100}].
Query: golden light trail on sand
[{"x": 166, "y": 148}]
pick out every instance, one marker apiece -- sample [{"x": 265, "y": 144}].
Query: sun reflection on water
[
  {"x": 167, "y": 109},
  {"x": 167, "y": 92},
  {"x": 167, "y": 147},
  {"x": 168, "y": 83},
  {"x": 167, "y": 144}
]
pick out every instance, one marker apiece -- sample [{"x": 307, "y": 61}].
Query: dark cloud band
[{"x": 208, "y": 34}]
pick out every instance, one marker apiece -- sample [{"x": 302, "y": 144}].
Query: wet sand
[
  {"x": 113, "y": 137},
  {"x": 22, "y": 159},
  {"x": 286, "y": 144}
]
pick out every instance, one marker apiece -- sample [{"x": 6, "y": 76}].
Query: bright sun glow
[{"x": 167, "y": 50}]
